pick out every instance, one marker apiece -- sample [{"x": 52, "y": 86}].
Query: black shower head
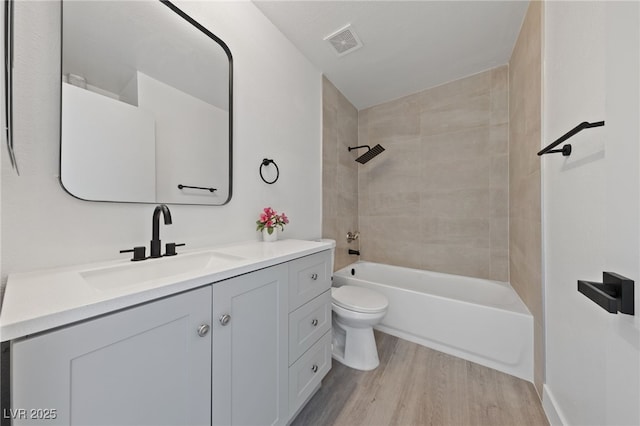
[{"x": 372, "y": 152}]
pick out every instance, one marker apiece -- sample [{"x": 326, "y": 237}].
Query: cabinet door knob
[
  {"x": 314, "y": 322},
  {"x": 203, "y": 330},
  {"x": 314, "y": 368},
  {"x": 314, "y": 276},
  {"x": 224, "y": 319}
]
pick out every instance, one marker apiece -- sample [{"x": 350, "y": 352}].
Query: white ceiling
[{"x": 409, "y": 46}]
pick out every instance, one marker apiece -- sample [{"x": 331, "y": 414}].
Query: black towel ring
[{"x": 266, "y": 162}]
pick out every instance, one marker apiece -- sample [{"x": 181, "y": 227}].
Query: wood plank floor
[{"x": 415, "y": 385}]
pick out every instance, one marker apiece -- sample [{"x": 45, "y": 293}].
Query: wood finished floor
[{"x": 415, "y": 385}]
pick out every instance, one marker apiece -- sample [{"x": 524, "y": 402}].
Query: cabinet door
[
  {"x": 146, "y": 365},
  {"x": 250, "y": 349}
]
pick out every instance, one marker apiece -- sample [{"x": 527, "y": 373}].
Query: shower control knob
[
  {"x": 314, "y": 368},
  {"x": 314, "y": 322},
  {"x": 314, "y": 276},
  {"x": 224, "y": 319},
  {"x": 203, "y": 330}
]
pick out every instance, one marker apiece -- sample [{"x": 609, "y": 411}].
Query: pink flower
[{"x": 269, "y": 219}]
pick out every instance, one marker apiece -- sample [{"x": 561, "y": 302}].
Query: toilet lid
[{"x": 359, "y": 299}]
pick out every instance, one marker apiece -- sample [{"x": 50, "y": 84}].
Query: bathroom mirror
[{"x": 146, "y": 110}]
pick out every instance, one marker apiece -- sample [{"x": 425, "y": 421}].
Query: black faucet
[{"x": 155, "y": 232}]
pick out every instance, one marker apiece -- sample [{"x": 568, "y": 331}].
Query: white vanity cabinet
[
  {"x": 250, "y": 348},
  {"x": 146, "y": 365}
]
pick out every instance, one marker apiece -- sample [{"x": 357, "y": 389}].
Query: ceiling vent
[{"x": 344, "y": 41}]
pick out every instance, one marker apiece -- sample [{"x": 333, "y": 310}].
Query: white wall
[
  {"x": 277, "y": 96},
  {"x": 591, "y": 209}
]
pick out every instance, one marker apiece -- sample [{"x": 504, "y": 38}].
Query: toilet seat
[{"x": 359, "y": 299}]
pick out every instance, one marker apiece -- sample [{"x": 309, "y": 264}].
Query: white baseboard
[{"x": 551, "y": 408}]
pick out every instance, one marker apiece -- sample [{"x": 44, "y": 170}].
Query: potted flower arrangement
[{"x": 268, "y": 223}]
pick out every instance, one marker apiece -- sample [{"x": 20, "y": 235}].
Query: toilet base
[{"x": 354, "y": 347}]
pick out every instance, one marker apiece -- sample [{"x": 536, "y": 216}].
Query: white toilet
[{"x": 355, "y": 311}]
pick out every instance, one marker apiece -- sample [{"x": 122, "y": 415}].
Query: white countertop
[{"x": 42, "y": 300}]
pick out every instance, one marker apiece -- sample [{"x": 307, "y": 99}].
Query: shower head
[{"x": 372, "y": 152}]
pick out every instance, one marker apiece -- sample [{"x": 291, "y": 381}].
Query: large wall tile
[
  {"x": 469, "y": 113},
  {"x": 397, "y": 203},
  {"x": 499, "y": 139},
  {"x": 499, "y": 177},
  {"x": 499, "y": 265},
  {"x": 457, "y": 174},
  {"x": 461, "y": 203},
  {"x": 396, "y": 119},
  {"x": 340, "y": 172},
  {"x": 393, "y": 252},
  {"x": 469, "y": 232},
  {"x": 444, "y": 178},
  {"x": 390, "y": 228},
  {"x": 467, "y": 144},
  {"x": 458, "y": 260},
  {"x": 525, "y": 121},
  {"x": 499, "y": 233}
]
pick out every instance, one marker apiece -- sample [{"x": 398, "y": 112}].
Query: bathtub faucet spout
[{"x": 355, "y": 252}]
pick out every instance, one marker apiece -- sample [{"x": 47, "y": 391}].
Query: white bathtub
[{"x": 479, "y": 320}]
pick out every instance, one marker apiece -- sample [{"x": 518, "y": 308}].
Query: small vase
[{"x": 269, "y": 238}]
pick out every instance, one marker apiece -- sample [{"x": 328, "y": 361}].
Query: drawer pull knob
[
  {"x": 314, "y": 276},
  {"x": 314, "y": 368},
  {"x": 224, "y": 319},
  {"x": 203, "y": 330},
  {"x": 314, "y": 322}
]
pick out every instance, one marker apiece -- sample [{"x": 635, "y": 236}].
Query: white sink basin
[{"x": 136, "y": 273}]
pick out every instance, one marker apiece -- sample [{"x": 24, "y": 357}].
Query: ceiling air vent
[{"x": 344, "y": 41}]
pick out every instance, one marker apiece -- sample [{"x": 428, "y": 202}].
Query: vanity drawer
[
  {"x": 308, "y": 277},
  {"x": 308, "y": 371},
  {"x": 307, "y": 324}
]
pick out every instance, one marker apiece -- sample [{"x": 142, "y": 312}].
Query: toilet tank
[{"x": 333, "y": 252}]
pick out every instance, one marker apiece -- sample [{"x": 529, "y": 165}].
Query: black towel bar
[
  {"x": 566, "y": 150},
  {"x": 180, "y": 186},
  {"x": 614, "y": 294}
]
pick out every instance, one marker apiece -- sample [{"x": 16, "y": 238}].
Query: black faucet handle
[
  {"x": 170, "y": 248},
  {"x": 139, "y": 253}
]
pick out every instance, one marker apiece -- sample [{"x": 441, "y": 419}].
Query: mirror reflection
[{"x": 146, "y": 105}]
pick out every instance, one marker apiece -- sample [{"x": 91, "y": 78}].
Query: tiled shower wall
[
  {"x": 339, "y": 171},
  {"x": 438, "y": 197},
  {"x": 525, "y": 97}
]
